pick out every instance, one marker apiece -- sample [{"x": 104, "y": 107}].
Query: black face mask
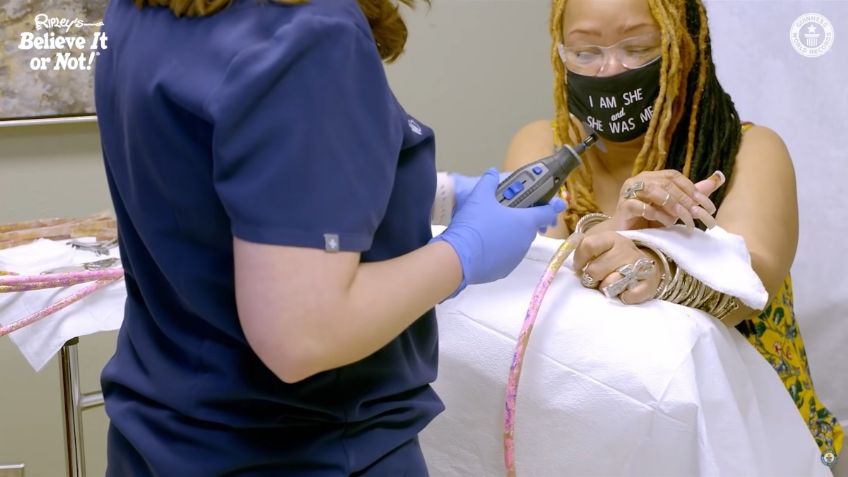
[{"x": 618, "y": 108}]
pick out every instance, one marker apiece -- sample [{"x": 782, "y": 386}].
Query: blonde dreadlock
[
  {"x": 386, "y": 24},
  {"x": 694, "y": 128}
]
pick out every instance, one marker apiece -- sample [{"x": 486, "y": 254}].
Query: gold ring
[
  {"x": 667, "y": 197},
  {"x": 644, "y": 209}
]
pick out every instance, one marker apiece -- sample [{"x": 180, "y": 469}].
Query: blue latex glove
[
  {"x": 463, "y": 185},
  {"x": 491, "y": 239}
]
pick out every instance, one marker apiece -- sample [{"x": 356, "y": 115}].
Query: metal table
[{"x": 74, "y": 403}]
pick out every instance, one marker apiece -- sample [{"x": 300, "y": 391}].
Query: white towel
[{"x": 103, "y": 310}]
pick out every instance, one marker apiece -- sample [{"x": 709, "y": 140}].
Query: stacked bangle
[{"x": 684, "y": 289}]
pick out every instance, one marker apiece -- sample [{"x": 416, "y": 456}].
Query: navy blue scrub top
[{"x": 274, "y": 124}]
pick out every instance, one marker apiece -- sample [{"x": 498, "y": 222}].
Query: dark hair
[{"x": 386, "y": 23}]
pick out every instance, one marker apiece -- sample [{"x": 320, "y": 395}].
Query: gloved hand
[
  {"x": 463, "y": 185},
  {"x": 491, "y": 239}
]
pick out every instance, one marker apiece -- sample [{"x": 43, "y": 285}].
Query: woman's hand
[
  {"x": 599, "y": 257},
  {"x": 661, "y": 198}
]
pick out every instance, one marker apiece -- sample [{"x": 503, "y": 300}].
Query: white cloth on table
[
  {"x": 608, "y": 389},
  {"x": 103, "y": 310}
]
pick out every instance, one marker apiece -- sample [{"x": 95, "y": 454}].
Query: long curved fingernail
[
  {"x": 705, "y": 202},
  {"x": 685, "y": 216},
  {"x": 719, "y": 178},
  {"x": 703, "y": 216}
]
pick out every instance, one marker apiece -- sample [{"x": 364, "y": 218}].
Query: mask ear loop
[
  {"x": 561, "y": 51},
  {"x": 556, "y": 262}
]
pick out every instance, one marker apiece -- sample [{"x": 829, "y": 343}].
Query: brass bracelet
[
  {"x": 728, "y": 305},
  {"x": 678, "y": 293},
  {"x": 712, "y": 301},
  {"x": 702, "y": 296},
  {"x": 665, "y": 276},
  {"x": 589, "y": 220},
  {"x": 684, "y": 289},
  {"x": 673, "y": 285},
  {"x": 695, "y": 293},
  {"x": 686, "y": 294}
]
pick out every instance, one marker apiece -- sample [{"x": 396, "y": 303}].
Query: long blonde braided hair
[{"x": 694, "y": 127}]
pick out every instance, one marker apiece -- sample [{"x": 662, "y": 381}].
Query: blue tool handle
[{"x": 537, "y": 182}]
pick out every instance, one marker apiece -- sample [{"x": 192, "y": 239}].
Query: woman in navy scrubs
[{"x": 273, "y": 203}]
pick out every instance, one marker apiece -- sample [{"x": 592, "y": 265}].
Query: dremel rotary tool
[{"x": 537, "y": 182}]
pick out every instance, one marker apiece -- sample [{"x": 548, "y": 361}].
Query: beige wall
[
  {"x": 51, "y": 170},
  {"x": 474, "y": 71}
]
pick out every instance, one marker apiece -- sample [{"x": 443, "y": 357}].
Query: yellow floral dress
[{"x": 776, "y": 335}]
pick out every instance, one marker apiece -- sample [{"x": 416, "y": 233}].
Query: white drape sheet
[{"x": 607, "y": 389}]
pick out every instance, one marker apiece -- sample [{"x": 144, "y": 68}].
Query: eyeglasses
[{"x": 631, "y": 53}]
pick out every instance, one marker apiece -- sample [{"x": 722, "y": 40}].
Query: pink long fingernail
[
  {"x": 703, "y": 216},
  {"x": 705, "y": 201},
  {"x": 685, "y": 216}
]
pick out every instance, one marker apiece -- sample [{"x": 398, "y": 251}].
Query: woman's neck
[{"x": 617, "y": 161}]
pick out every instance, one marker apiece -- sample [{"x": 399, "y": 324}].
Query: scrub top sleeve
[{"x": 306, "y": 138}]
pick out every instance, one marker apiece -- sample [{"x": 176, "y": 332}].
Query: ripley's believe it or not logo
[
  {"x": 811, "y": 35},
  {"x": 65, "y": 51}
]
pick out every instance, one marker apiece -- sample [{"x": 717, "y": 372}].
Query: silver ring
[
  {"x": 632, "y": 189},
  {"x": 631, "y": 275},
  {"x": 587, "y": 281},
  {"x": 644, "y": 267}
]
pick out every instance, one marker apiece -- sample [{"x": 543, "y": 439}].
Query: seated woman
[
  {"x": 640, "y": 74},
  {"x": 609, "y": 388}
]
